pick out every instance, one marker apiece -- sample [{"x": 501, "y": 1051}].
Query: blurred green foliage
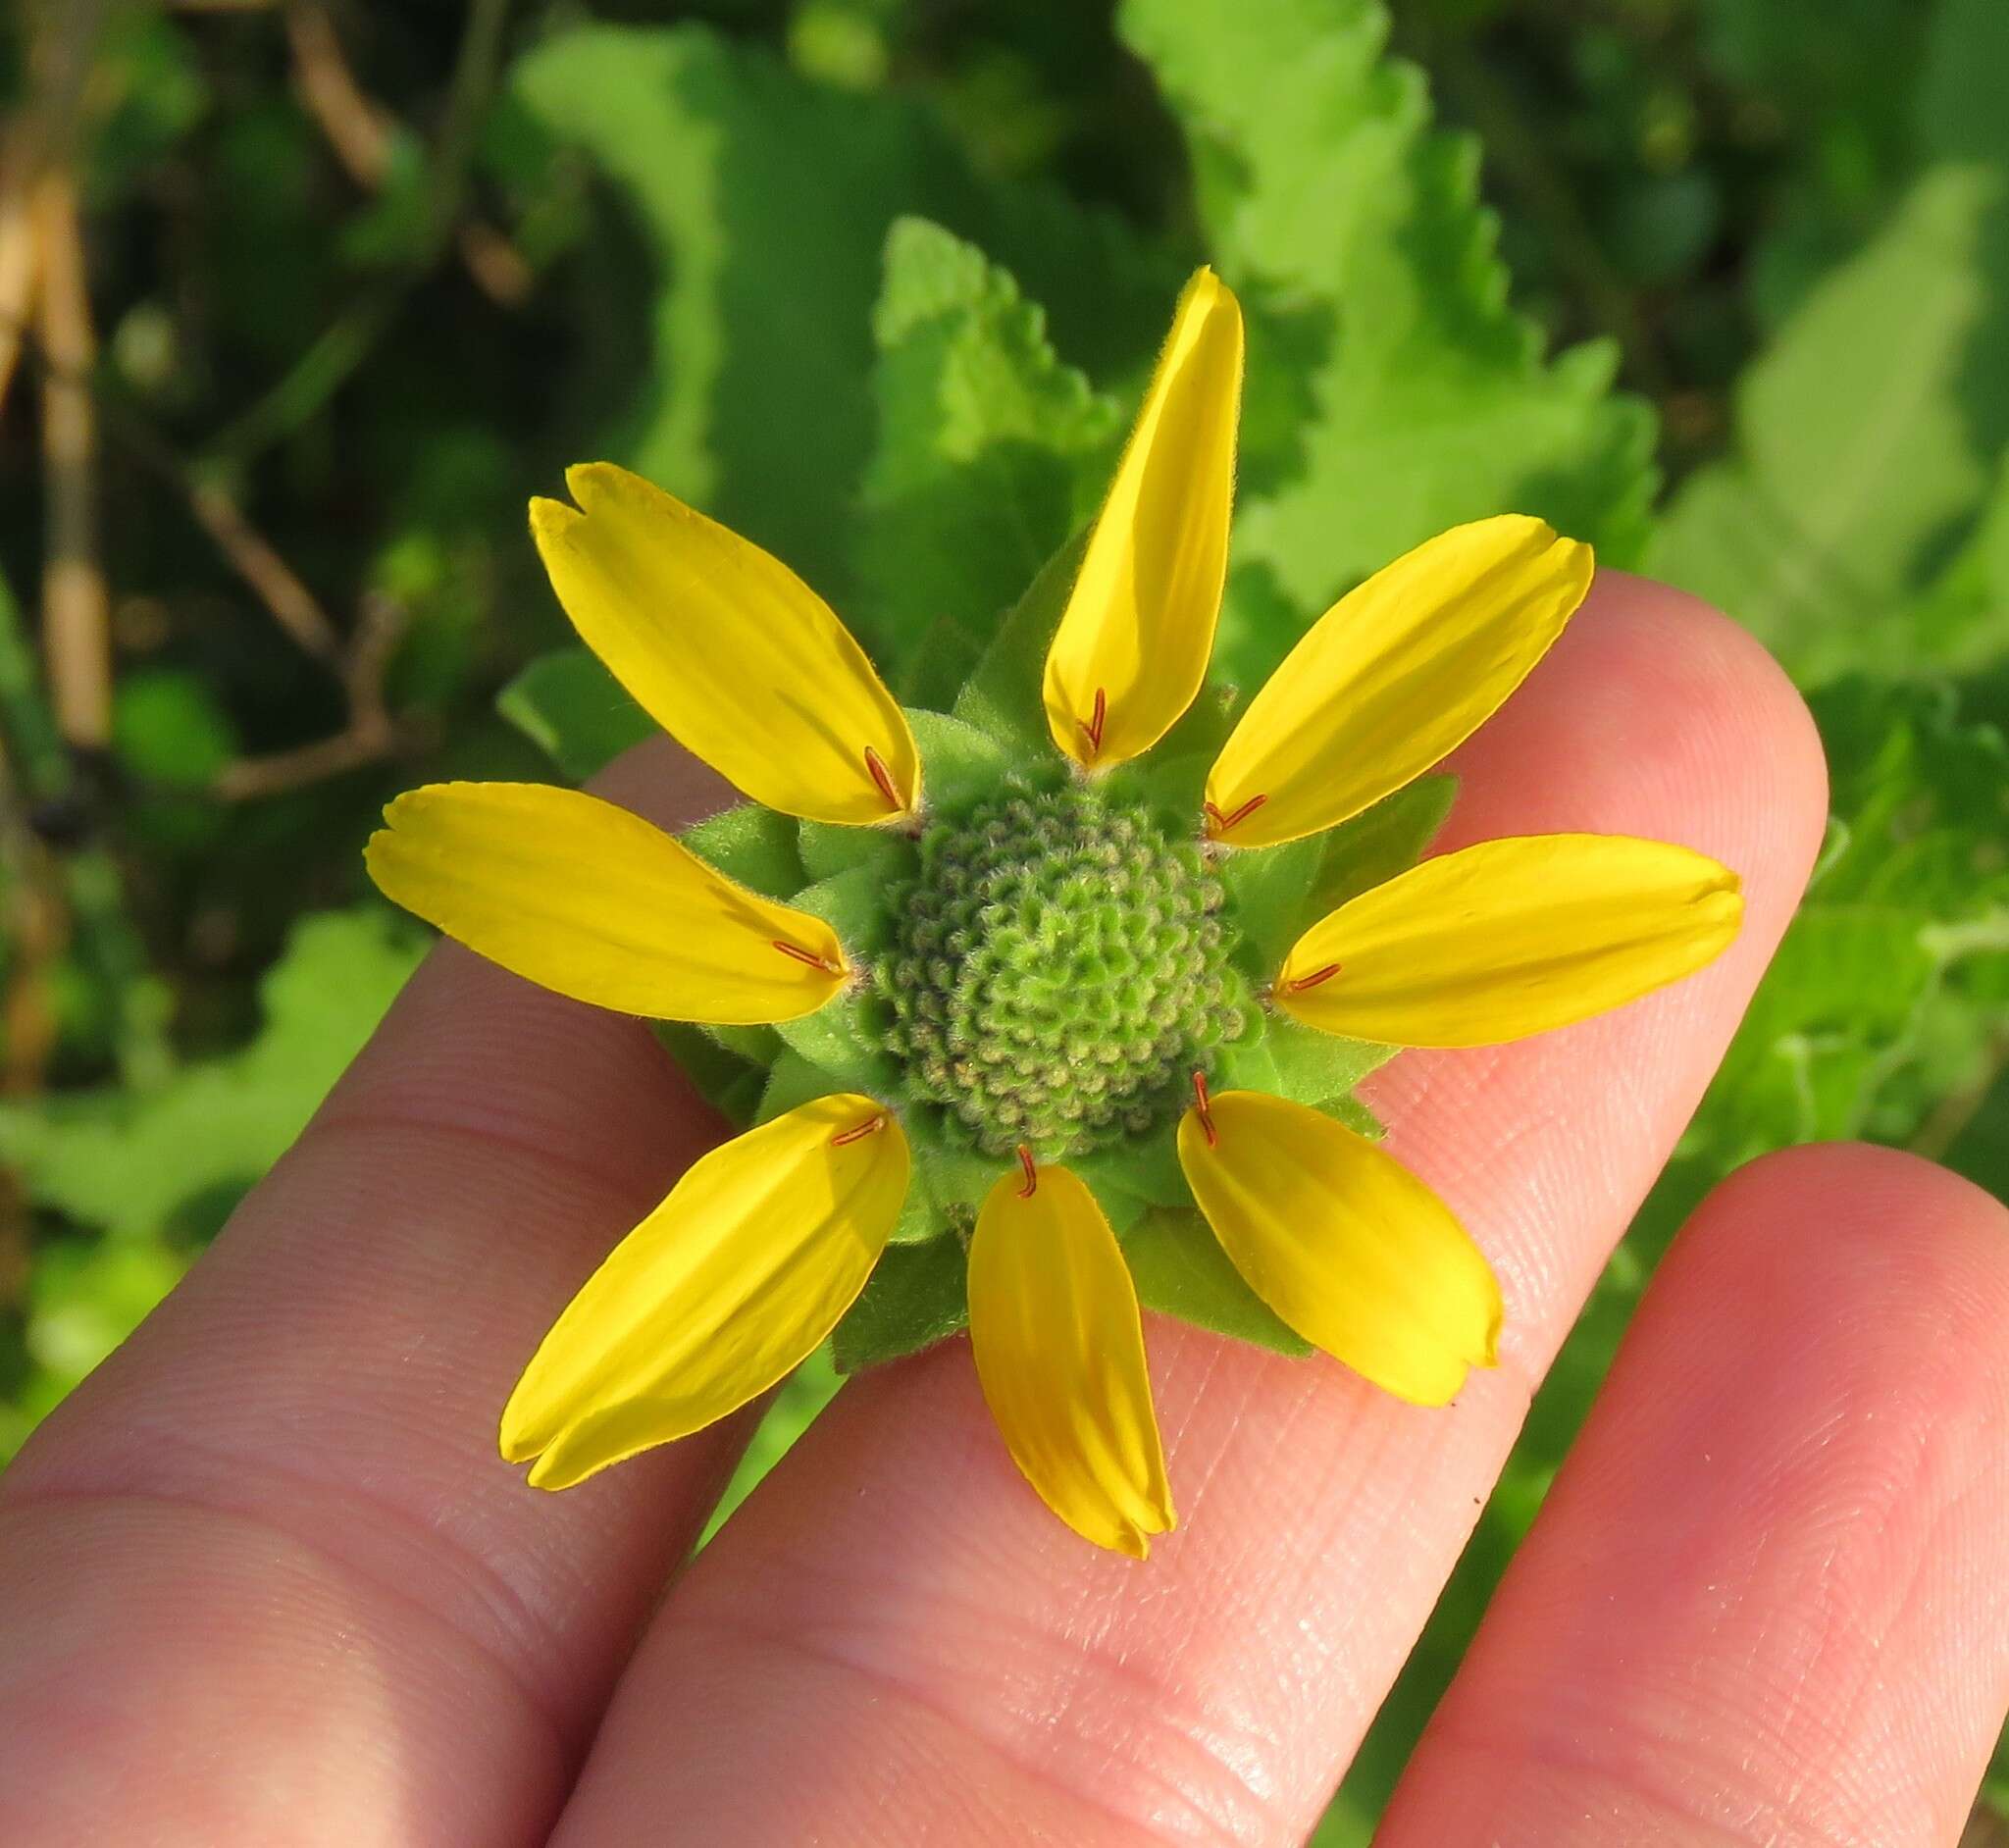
[{"x": 876, "y": 282}]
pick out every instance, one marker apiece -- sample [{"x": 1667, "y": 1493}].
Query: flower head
[{"x": 1051, "y": 982}]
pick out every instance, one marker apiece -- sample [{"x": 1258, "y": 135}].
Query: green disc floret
[{"x": 1059, "y": 970}]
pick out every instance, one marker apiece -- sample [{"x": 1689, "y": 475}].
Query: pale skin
[{"x": 263, "y": 1579}]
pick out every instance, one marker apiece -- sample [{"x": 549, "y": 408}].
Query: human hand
[{"x": 262, "y": 1578}]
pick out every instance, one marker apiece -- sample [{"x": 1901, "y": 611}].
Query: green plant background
[{"x": 1721, "y": 286}]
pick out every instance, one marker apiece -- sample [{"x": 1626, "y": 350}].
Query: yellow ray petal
[
  {"x": 1059, "y": 1352},
  {"x": 728, "y": 651},
  {"x": 585, "y": 897},
  {"x": 735, "y": 1279},
  {"x": 1346, "y": 1246},
  {"x": 1510, "y": 938},
  {"x": 1392, "y": 676},
  {"x": 1133, "y": 643}
]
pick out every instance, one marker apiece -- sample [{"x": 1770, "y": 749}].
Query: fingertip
[
  {"x": 663, "y": 783},
  {"x": 1766, "y": 1583},
  {"x": 1734, "y": 688},
  {"x": 1876, "y": 1247}
]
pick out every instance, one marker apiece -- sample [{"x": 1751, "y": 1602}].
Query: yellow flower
[{"x": 763, "y": 1246}]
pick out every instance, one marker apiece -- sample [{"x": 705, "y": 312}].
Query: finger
[
  {"x": 1768, "y": 1599},
  {"x": 273, "y": 1530},
  {"x": 939, "y": 1661}
]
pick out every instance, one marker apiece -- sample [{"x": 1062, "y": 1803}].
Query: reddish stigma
[
  {"x": 875, "y": 767},
  {"x": 870, "y": 1127},
  {"x": 810, "y": 957},
  {"x": 1032, "y": 1178},
  {"x": 1222, "y": 823},
  {"x": 1093, "y": 726},
  {"x": 1202, "y": 1106}
]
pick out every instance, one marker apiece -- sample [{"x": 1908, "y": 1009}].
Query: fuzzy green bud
[{"x": 1058, "y": 971}]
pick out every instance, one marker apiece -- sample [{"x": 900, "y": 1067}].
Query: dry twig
[
  {"x": 76, "y": 604},
  {"x": 17, "y": 248},
  {"x": 371, "y": 735}
]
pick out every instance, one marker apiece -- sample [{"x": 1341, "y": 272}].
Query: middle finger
[{"x": 897, "y": 1621}]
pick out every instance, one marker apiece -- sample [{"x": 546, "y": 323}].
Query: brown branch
[
  {"x": 245, "y": 549},
  {"x": 361, "y": 661},
  {"x": 495, "y": 264},
  {"x": 356, "y": 128},
  {"x": 28, "y": 1020},
  {"x": 251, "y": 556},
  {"x": 17, "y": 249},
  {"x": 286, "y": 770},
  {"x": 371, "y": 736},
  {"x": 34, "y": 923},
  {"x": 359, "y": 130},
  {"x": 75, "y": 605}
]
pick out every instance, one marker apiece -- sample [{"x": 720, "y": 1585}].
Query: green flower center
[{"x": 1058, "y": 971}]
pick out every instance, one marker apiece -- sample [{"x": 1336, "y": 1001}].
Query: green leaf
[
  {"x": 792, "y": 1080},
  {"x": 1248, "y": 1065},
  {"x": 853, "y": 904},
  {"x": 828, "y": 850},
  {"x": 917, "y": 1294},
  {"x": 1181, "y": 1271},
  {"x": 845, "y": 1037},
  {"x": 840, "y": 1038},
  {"x": 174, "y": 1157},
  {"x": 1319, "y": 1068},
  {"x": 168, "y": 727},
  {"x": 751, "y": 845},
  {"x": 953, "y": 1176},
  {"x": 958, "y": 763},
  {"x": 1355, "y": 1116},
  {"x": 1392, "y": 391},
  {"x": 1838, "y": 500},
  {"x": 936, "y": 662},
  {"x": 726, "y": 1080},
  {"x": 1388, "y": 839},
  {"x": 1960, "y": 621},
  {"x": 920, "y": 1219},
  {"x": 1894, "y": 975},
  {"x": 1003, "y": 694},
  {"x": 575, "y": 711},
  {"x": 1840, "y": 504},
  {"x": 989, "y": 453},
  {"x": 83, "y": 1300},
  {"x": 1172, "y": 776},
  {"x": 1147, "y": 1167},
  {"x": 763, "y": 203},
  {"x": 793, "y": 1408},
  {"x": 1270, "y": 891}
]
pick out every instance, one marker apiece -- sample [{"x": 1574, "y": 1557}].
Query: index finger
[{"x": 275, "y": 1523}]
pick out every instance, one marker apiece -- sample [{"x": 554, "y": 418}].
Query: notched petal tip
[
  {"x": 558, "y": 1470},
  {"x": 727, "y": 650},
  {"x": 1489, "y": 1355},
  {"x": 551, "y": 520}
]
